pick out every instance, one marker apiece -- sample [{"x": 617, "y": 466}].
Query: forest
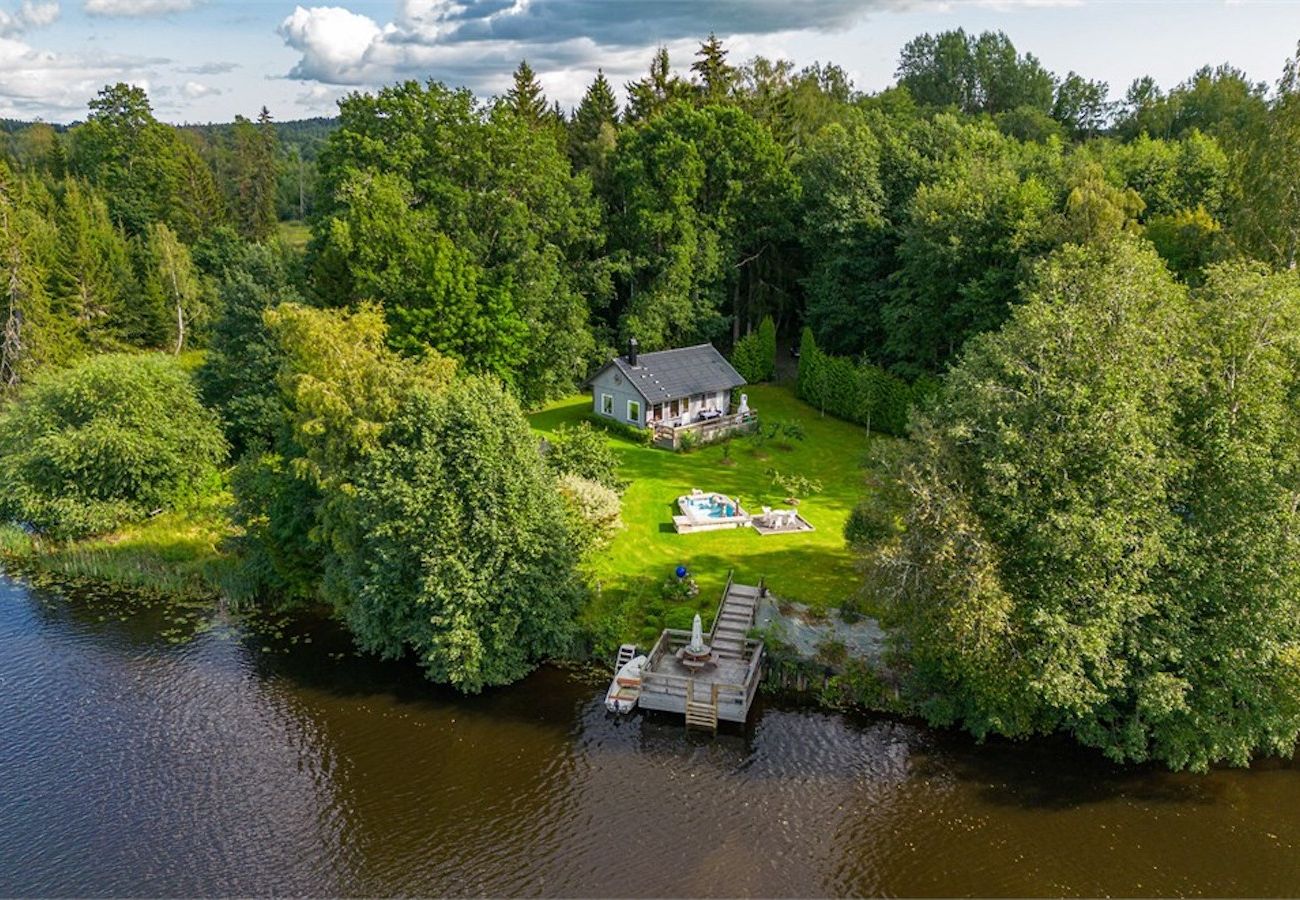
[{"x": 1081, "y": 315}]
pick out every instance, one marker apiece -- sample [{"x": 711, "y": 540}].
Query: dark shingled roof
[{"x": 672, "y": 374}]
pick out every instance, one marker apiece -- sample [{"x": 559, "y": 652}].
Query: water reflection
[{"x": 269, "y": 758}]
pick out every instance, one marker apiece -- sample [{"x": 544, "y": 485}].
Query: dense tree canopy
[
  {"x": 147, "y": 171},
  {"x": 463, "y": 556},
  {"x": 1097, "y": 523},
  {"x": 466, "y": 226},
  {"x": 700, "y": 202},
  {"x": 1100, "y": 535}
]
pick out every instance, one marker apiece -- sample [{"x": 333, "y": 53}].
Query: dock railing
[{"x": 733, "y": 699}]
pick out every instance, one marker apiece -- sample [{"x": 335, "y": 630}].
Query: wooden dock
[{"x": 723, "y": 691}]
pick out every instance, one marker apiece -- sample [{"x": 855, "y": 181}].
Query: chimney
[{"x": 631, "y": 352}]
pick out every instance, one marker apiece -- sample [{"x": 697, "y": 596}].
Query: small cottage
[{"x": 670, "y": 391}]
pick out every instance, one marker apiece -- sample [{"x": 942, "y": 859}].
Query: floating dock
[{"x": 723, "y": 691}]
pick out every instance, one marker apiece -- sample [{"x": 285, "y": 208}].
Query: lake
[{"x": 157, "y": 749}]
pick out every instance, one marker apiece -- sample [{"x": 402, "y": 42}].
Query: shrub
[
  {"x": 88, "y": 449},
  {"x": 754, "y": 355},
  {"x": 621, "y": 429},
  {"x": 596, "y": 509},
  {"x": 583, "y": 451},
  {"x": 679, "y": 590},
  {"x": 680, "y": 618},
  {"x": 831, "y": 652},
  {"x": 851, "y": 609},
  {"x": 858, "y": 392},
  {"x": 868, "y": 523}
]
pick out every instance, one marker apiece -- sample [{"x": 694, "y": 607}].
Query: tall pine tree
[
  {"x": 592, "y": 134},
  {"x": 659, "y": 88},
  {"x": 256, "y": 149},
  {"x": 717, "y": 78},
  {"x": 526, "y": 97}
]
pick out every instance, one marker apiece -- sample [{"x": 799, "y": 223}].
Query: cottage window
[
  {"x": 607, "y": 404},
  {"x": 634, "y": 410}
]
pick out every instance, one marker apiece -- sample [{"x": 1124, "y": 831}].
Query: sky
[{"x": 209, "y": 60}]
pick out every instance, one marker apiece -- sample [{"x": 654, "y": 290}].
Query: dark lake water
[{"x": 152, "y": 750}]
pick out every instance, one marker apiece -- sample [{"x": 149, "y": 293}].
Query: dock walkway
[{"x": 723, "y": 691}]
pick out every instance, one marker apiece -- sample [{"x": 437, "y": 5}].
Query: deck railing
[
  {"x": 717, "y": 613},
  {"x": 732, "y": 699},
  {"x": 705, "y": 430},
  {"x": 730, "y": 694}
]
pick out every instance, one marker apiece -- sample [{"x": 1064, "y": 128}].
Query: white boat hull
[{"x": 625, "y": 690}]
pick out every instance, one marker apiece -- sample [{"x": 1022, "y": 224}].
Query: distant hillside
[
  {"x": 307, "y": 135},
  {"x": 10, "y": 126}
]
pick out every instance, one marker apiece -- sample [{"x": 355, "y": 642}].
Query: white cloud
[
  {"x": 193, "y": 90},
  {"x": 211, "y": 68},
  {"x": 339, "y": 47},
  {"x": 320, "y": 99},
  {"x": 478, "y": 43},
  {"x": 45, "y": 83},
  {"x": 334, "y": 43},
  {"x": 137, "y": 7},
  {"x": 29, "y": 15}
]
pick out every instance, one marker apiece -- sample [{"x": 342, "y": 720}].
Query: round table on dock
[{"x": 694, "y": 659}]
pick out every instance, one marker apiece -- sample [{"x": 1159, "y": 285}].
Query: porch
[{"x": 704, "y": 429}]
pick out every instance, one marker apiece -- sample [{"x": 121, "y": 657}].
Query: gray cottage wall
[{"x": 605, "y": 383}]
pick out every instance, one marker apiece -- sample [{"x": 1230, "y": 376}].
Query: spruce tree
[
  {"x": 594, "y": 121},
  {"x": 526, "y": 97},
  {"x": 256, "y": 149},
  {"x": 717, "y": 78},
  {"x": 652, "y": 93}
]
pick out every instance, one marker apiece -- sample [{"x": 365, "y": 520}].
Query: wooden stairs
[
  {"x": 702, "y": 713},
  {"x": 735, "y": 618}
]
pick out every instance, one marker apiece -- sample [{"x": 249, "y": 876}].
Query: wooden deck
[
  {"x": 723, "y": 691},
  {"x": 669, "y": 437}
]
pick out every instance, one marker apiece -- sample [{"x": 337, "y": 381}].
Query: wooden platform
[
  {"x": 687, "y": 525},
  {"x": 801, "y": 524},
  {"x": 723, "y": 691},
  {"x": 705, "y": 431}
]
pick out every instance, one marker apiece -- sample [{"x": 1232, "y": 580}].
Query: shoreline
[{"x": 837, "y": 684}]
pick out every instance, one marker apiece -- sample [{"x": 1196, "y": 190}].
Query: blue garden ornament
[{"x": 681, "y": 572}]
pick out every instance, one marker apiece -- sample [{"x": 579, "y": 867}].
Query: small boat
[{"x": 625, "y": 689}]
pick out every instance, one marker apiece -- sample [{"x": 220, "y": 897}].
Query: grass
[
  {"x": 180, "y": 553},
  {"x": 815, "y": 567},
  {"x": 294, "y": 234},
  {"x": 176, "y": 553}
]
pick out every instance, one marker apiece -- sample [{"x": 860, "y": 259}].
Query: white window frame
[
  {"x": 610, "y": 404},
  {"x": 637, "y": 417}
]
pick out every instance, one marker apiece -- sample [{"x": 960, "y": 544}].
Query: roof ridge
[{"x": 676, "y": 349}]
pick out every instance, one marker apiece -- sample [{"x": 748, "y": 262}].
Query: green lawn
[
  {"x": 294, "y": 234},
  {"x": 813, "y": 567}
]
